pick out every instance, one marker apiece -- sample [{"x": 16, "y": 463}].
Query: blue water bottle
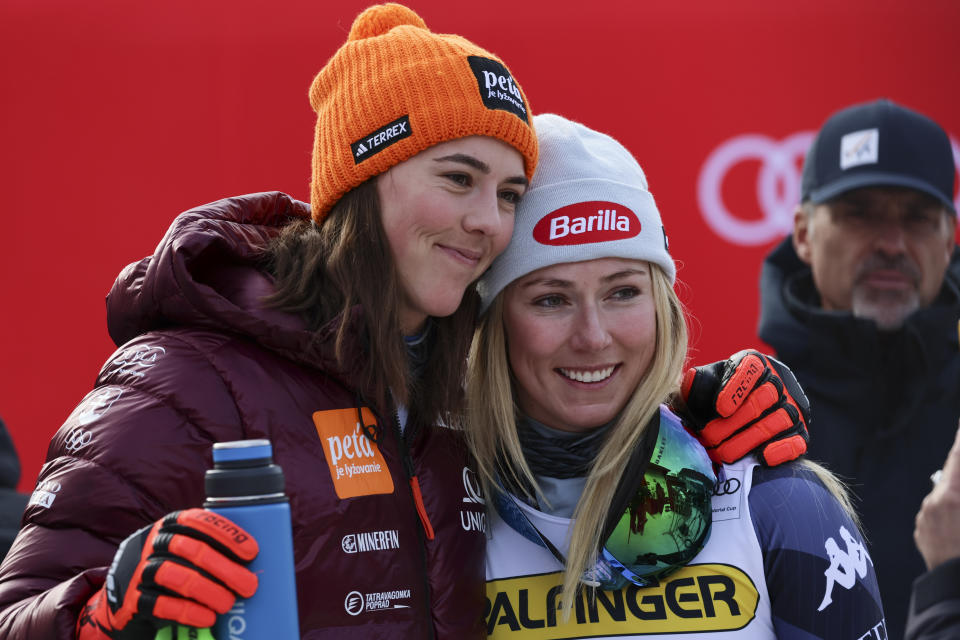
[{"x": 247, "y": 487}]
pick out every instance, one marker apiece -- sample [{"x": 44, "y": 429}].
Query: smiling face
[
  {"x": 447, "y": 212},
  {"x": 878, "y": 252},
  {"x": 580, "y": 337}
]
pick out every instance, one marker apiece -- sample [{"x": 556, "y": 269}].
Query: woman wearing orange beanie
[
  {"x": 261, "y": 317},
  {"x": 339, "y": 331}
]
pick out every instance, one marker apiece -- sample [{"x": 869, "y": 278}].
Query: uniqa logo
[
  {"x": 471, "y": 487},
  {"x": 236, "y": 622},
  {"x": 472, "y": 520},
  {"x": 585, "y": 223}
]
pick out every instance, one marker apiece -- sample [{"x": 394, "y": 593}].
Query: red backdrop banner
[{"x": 117, "y": 115}]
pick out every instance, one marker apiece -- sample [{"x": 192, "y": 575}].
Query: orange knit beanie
[{"x": 395, "y": 89}]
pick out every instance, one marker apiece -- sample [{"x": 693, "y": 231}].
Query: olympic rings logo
[
  {"x": 727, "y": 487},
  {"x": 77, "y": 440},
  {"x": 778, "y": 185}
]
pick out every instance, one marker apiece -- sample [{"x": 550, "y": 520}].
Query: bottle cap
[
  {"x": 242, "y": 450},
  {"x": 243, "y": 471}
]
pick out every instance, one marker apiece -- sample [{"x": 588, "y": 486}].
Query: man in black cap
[{"x": 862, "y": 302}]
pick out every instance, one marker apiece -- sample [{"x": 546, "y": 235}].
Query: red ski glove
[
  {"x": 748, "y": 403},
  {"x": 184, "y": 568}
]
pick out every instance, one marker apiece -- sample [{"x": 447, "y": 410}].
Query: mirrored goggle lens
[{"x": 667, "y": 521}]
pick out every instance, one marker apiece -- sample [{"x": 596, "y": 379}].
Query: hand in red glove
[
  {"x": 748, "y": 403},
  {"x": 185, "y": 568}
]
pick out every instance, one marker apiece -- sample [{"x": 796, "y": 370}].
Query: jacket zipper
[{"x": 427, "y": 528}]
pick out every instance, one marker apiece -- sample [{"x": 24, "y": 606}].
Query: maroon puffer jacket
[{"x": 203, "y": 362}]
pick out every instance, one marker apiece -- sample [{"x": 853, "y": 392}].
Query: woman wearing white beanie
[{"x": 592, "y": 480}]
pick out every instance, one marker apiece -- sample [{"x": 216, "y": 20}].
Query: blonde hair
[{"x": 492, "y": 425}]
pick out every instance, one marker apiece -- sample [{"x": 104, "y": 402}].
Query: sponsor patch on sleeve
[
  {"x": 497, "y": 88},
  {"x": 379, "y": 139},
  {"x": 356, "y": 465}
]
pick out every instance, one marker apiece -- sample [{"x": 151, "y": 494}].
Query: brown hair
[{"x": 323, "y": 271}]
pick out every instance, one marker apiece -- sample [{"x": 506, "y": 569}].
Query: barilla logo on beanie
[
  {"x": 497, "y": 88},
  {"x": 586, "y": 223},
  {"x": 379, "y": 139}
]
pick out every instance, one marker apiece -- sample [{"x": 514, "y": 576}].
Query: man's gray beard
[{"x": 888, "y": 309}]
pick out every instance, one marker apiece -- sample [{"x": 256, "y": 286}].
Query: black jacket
[
  {"x": 884, "y": 405},
  {"x": 12, "y": 502},
  {"x": 935, "y": 605}
]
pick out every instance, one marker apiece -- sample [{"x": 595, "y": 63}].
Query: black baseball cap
[{"x": 879, "y": 144}]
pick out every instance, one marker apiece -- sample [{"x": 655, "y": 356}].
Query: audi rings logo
[
  {"x": 77, "y": 439},
  {"x": 726, "y": 487},
  {"x": 777, "y": 188},
  {"x": 354, "y": 603}
]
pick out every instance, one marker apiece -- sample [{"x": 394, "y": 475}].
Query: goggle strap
[{"x": 519, "y": 522}]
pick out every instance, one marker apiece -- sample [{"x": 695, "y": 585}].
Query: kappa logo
[
  {"x": 497, "y": 88},
  {"x": 585, "y": 223},
  {"x": 45, "y": 493},
  {"x": 845, "y": 566},
  {"x": 777, "y": 185},
  {"x": 356, "y": 465},
  {"x": 97, "y": 404},
  {"x": 860, "y": 147},
  {"x": 370, "y": 541},
  {"x": 356, "y": 602},
  {"x": 378, "y": 140},
  {"x": 136, "y": 360}
]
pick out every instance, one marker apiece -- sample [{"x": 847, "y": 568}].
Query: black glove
[
  {"x": 750, "y": 402},
  {"x": 185, "y": 568}
]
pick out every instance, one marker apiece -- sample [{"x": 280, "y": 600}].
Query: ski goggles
[{"x": 660, "y": 516}]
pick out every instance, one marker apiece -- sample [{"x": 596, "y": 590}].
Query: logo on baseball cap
[{"x": 879, "y": 144}]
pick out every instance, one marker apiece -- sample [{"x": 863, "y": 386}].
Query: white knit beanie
[{"x": 588, "y": 199}]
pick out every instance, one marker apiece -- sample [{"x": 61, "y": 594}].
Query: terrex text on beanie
[{"x": 394, "y": 89}]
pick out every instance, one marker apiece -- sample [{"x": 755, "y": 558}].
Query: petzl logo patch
[
  {"x": 378, "y": 140},
  {"x": 356, "y": 465},
  {"x": 587, "y": 222},
  {"x": 497, "y": 88}
]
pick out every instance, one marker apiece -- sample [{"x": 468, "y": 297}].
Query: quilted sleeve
[{"x": 134, "y": 449}]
